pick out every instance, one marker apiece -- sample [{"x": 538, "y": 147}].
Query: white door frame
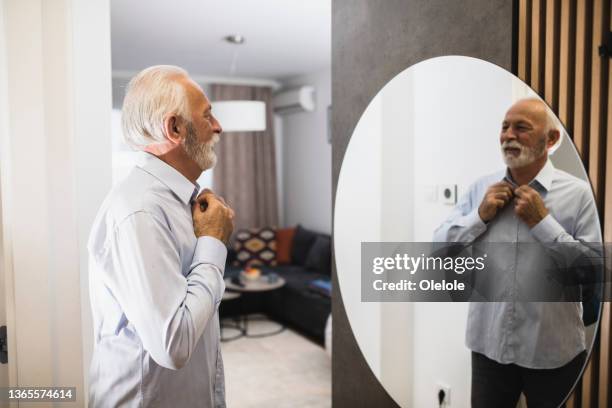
[
  {"x": 55, "y": 168},
  {"x": 6, "y": 260}
]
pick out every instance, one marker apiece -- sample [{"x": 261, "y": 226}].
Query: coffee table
[{"x": 251, "y": 287}]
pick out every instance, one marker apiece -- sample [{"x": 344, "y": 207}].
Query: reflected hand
[
  {"x": 212, "y": 216},
  {"x": 529, "y": 206},
  {"x": 496, "y": 198}
]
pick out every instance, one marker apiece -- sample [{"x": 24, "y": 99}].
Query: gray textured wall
[{"x": 372, "y": 41}]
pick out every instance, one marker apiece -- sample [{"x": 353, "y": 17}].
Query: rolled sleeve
[{"x": 547, "y": 230}]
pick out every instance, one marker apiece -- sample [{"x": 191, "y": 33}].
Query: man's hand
[
  {"x": 496, "y": 198},
  {"x": 212, "y": 216},
  {"x": 529, "y": 206}
]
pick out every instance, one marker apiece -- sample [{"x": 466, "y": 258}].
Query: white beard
[
  {"x": 526, "y": 156},
  {"x": 202, "y": 153}
]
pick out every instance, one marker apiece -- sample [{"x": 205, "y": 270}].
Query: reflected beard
[
  {"x": 201, "y": 153},
  {"x": 527, "y": 155}
]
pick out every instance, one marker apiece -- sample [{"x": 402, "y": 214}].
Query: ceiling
[{"x": 284, "y": 38}]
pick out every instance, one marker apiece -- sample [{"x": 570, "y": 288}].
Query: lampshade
[{"x": 240, "y": 116}]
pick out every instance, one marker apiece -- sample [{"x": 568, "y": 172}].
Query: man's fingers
[
  {"x": 502, "y": 187},
  {"x": 222, "y": 200},
  {"x": 498, "y": 202},
  {"x": 207, "y": 195},
  {"x": 520, "y": 203},
  {"x": 502, "y": 195},
  {"x": 524, "y": 191}
]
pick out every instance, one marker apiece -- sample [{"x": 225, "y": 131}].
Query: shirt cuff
[
  {"x": 547, "y": 230},
  {"x": 473, "y": 223},
  {"x": 210, "y": 250}
]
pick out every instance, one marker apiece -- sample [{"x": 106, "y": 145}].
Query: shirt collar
[
  {"x": 184, "y": 189},
  {"x": 544, "y": 177}
]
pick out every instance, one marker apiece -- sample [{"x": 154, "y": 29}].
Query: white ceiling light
[{"x": 240, "y": 116}]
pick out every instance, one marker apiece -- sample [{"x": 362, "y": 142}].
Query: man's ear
[
  {"x": 174, "y": 128},
  {"x": 553, "y": 138}
]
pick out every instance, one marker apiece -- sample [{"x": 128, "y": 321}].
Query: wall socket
[
  {"x": 448, "y": 194},
  {"x": 446, "y": 402}
]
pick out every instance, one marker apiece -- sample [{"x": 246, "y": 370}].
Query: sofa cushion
[
  {"x": 302, "y": 241},
  {"x": 284, "y": 243},
  {"x": 319, "y": 256},
  {"x": 255, "y": 246}
]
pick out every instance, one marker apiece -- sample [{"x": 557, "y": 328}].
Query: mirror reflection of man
[
  {"x": 157, "y": 256},
  {"x": 535, "y": 348}
]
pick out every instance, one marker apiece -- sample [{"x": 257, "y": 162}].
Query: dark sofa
[{"x": 297, "y": 304}]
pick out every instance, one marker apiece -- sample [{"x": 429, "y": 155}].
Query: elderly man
[
  {"x": 157, "y": 256},
  {"x": 536, "y": 348}
]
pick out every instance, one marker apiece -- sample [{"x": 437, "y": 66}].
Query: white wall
[
  {"x": 307, "y": 158},
  {"x": 397, "y": 201}
]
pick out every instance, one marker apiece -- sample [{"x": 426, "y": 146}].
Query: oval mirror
[{"x": 416, "y": 167}]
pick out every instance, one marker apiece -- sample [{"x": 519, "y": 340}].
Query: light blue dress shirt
[
  {"x": 529, "y": 334},
  {"x": 155, "y": 290}
]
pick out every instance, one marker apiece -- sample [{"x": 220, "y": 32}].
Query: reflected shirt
[
  {"x": 537, "y": 335},
  {"x": 155, "y": 291}
]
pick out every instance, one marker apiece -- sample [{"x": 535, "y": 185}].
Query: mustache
[{"x": 512, "y": 144}]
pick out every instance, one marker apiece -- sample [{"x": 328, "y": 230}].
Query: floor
[{"x": 284, "y": 370}]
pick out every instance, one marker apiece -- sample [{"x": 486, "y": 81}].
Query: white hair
[{"x": 150, "y": 96}]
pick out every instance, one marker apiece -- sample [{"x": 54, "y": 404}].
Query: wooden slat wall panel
[
  {"x": 558, "y": 57},
  {"x": 567, "y": 55},
  {"x": 524, "y": 39},
  {"x": 596, "y": 122},
  {"x": 608, "y": 182},
  {"x": 537, "y": 45},
  {"x": 604, "y": 356},
  {"x": 571, "y": 402},
  {"x": 590, "y": 380},
  {"x": 605, "y": 374},
  {"x": 551, "y": 54},
  {"x": 581, "y": 83}
]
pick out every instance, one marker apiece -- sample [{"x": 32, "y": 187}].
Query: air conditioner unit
[{"x": 300, "y": 99}]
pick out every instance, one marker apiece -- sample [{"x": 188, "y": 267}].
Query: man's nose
[
  {"x": 216, "y": 126},
  {"x": 508, "y": 135}
]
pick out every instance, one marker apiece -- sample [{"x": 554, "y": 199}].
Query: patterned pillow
[{"x": 255, "y": 246}]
